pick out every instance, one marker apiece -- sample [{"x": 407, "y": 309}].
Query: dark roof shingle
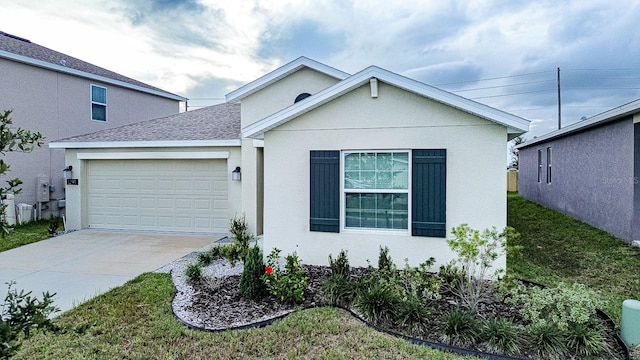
[{"x": 217, "y": 122}]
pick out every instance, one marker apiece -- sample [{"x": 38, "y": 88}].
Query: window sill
[{"x": 390, "y": 232}]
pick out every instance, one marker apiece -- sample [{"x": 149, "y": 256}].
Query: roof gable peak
[{"x": 282, "y": 72}]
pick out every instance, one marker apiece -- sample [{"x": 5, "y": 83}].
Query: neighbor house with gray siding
[
  {"x": 589, "y": 170},
  {"x": 62, "y": 96}
]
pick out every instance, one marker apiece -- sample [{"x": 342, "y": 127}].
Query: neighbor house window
[
  {"x": 376, "y": 190},
  {"x": 548, "y": 165},
  {"x": 98, "y": 103},
  {"x": 539, "y": 165},
  {"x": 379, "y": 190}
]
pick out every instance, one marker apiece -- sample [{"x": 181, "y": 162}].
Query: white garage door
[{"x": 162, "y": 195}]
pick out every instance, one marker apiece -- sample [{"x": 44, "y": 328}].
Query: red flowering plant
[{"x": 288, "y": 284}]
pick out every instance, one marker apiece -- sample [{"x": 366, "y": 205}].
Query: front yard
[{"x": 135, "y": 321}]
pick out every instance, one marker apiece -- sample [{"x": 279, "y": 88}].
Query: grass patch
[
  {"x": 135, "y": 322},
  {"x": 558, "y": 248},
  {"x": 30, "y": 232}
]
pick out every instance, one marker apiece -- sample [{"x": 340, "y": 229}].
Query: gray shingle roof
[
  {"x": 20, "y": 46},
  {"x": 217, "y": 122}
]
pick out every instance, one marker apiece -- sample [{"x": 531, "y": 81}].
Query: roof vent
[
  {"x": 63, "y": 62},
  {"x": 301, "y": 97}
]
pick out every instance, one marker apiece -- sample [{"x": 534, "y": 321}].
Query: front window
[
  {"x": 548, "y": 165},
  {"x": 376, "y": 190},
  {"x": 98, "y": 103}
]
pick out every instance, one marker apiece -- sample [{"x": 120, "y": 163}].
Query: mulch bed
[{"x": 219, "y": 306}]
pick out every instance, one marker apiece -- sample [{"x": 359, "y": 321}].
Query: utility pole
[{"x": 559, "y": 103}]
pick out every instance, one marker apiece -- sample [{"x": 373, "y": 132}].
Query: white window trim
[
  {"x": 97, "y": 102},
  {"x": 343, "y": 191},
  {"x": 549, "y": 155}
]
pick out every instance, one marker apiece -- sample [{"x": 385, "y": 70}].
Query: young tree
[{"x": 13, "y": 140}]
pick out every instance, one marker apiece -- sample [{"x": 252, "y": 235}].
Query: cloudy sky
[{"x": 503, "y": 53}]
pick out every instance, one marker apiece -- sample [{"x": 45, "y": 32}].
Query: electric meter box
[{"x": 42, "y": 189}]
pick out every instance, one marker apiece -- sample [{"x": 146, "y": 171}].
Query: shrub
[
  {"x": 450, "y": 276},
  {"x": 193, "y": 272},
  {"x": 340, "y": 266},
  {"x": 419, "y": 283},
  {"x": 459, "y": 328},
  {"x": 412, "y": 312},
  {"x": 560, "y": 306},
  {"x": 287, "y": 285},
  {"x": 251, "y": 285},
  {"x": 547, "y": 340},
  {"x": 54, "y": 224},
  {"x": 386, "y": 267},
  {"x": 205, "y": 258},
  {"x": 338, "y": 290},
  {"x": 239, "y": 230},
  {"x": 586, "y": 340},
  {"x": 477, "y": 251},
  {"x": 501, "y": 335},
  {"x": 378, "y": 303},
  {"x": 232, "y": 252},
  {"x": 21, "y": 314}
]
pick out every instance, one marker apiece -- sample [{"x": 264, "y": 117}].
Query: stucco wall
[
  {"x": 282, "y": 93},
  {"x": 257, "y": 106},
  {"x": 76, "y": 201},
  {"x": 395, "y": 120},
  {"x": 592, "y": 176},
  {"x": 58, "y": 106}
]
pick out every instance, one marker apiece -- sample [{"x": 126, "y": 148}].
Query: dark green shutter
[
  {"x": 429, "y": 200},
  {"x": 325, "y": 191}
]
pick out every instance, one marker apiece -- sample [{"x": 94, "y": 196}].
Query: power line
[{"x": 495, "y": 78}]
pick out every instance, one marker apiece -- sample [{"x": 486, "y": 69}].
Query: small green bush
[
  {"x": 560, "y": 306},
  {"x": 340, "y": 266},
  {"x": 386, "y": 267},
  {"x": 20, "y": 315},
  {"x": 193, "y": 272},
  {"x": 205, "y": 258},
  {"x": 412, "y": 312},
  {"x": 502, "y": 335},
  {"x": 288, "y": 285},
  {"x": 251, "y": 285},
  {"x": 586, "y": 340},
  {"x": 460, "y": 328},
  {"x": 232, "y": 252},
  {"x": 339, "y": 290},
  {"x": 239, "y": 230},
  {"x": 547, "y": 341},
  {"x": 476, "y": 252},
  {"x": 419, "y": 282},
  {"x": 378, "y": 303}
]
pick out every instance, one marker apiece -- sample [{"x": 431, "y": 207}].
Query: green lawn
[
  {"x": 559, "y": 248},
  {"x": 25, "y": 234},
  {"x": 135, "y": 322}
]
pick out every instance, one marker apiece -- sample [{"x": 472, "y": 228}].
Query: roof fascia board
[
  {"x": 514, "y": 124},
  {"x": 596, "y": 120},
  {"x": 82, "y": 74},
  {"x": 147, "y": 155},
  {"x": 143, "y": 144},
  {"x": 283, "y": 72}
]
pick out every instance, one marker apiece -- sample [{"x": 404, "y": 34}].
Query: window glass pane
[
  {"x": 98, "y": 112},
  {"x": 368, "y": 161},
  {"x": 372, "y": 172},
  {"x": 352, "y": 162},
  {"x": 383, "y": 180},
  {"x": 352, "y": 180},
  {"x": 367, "y": 180},
  {"x": 98, "y": 94},
  {"x": 383, "y": 161}
]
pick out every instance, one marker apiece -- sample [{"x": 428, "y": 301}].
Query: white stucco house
[{"x": 327, "y": 161}]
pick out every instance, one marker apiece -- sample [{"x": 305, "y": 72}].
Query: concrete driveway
[{"x": 82, "y": 264}]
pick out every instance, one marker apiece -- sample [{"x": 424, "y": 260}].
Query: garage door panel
[{"x": 166, "y": 195}]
